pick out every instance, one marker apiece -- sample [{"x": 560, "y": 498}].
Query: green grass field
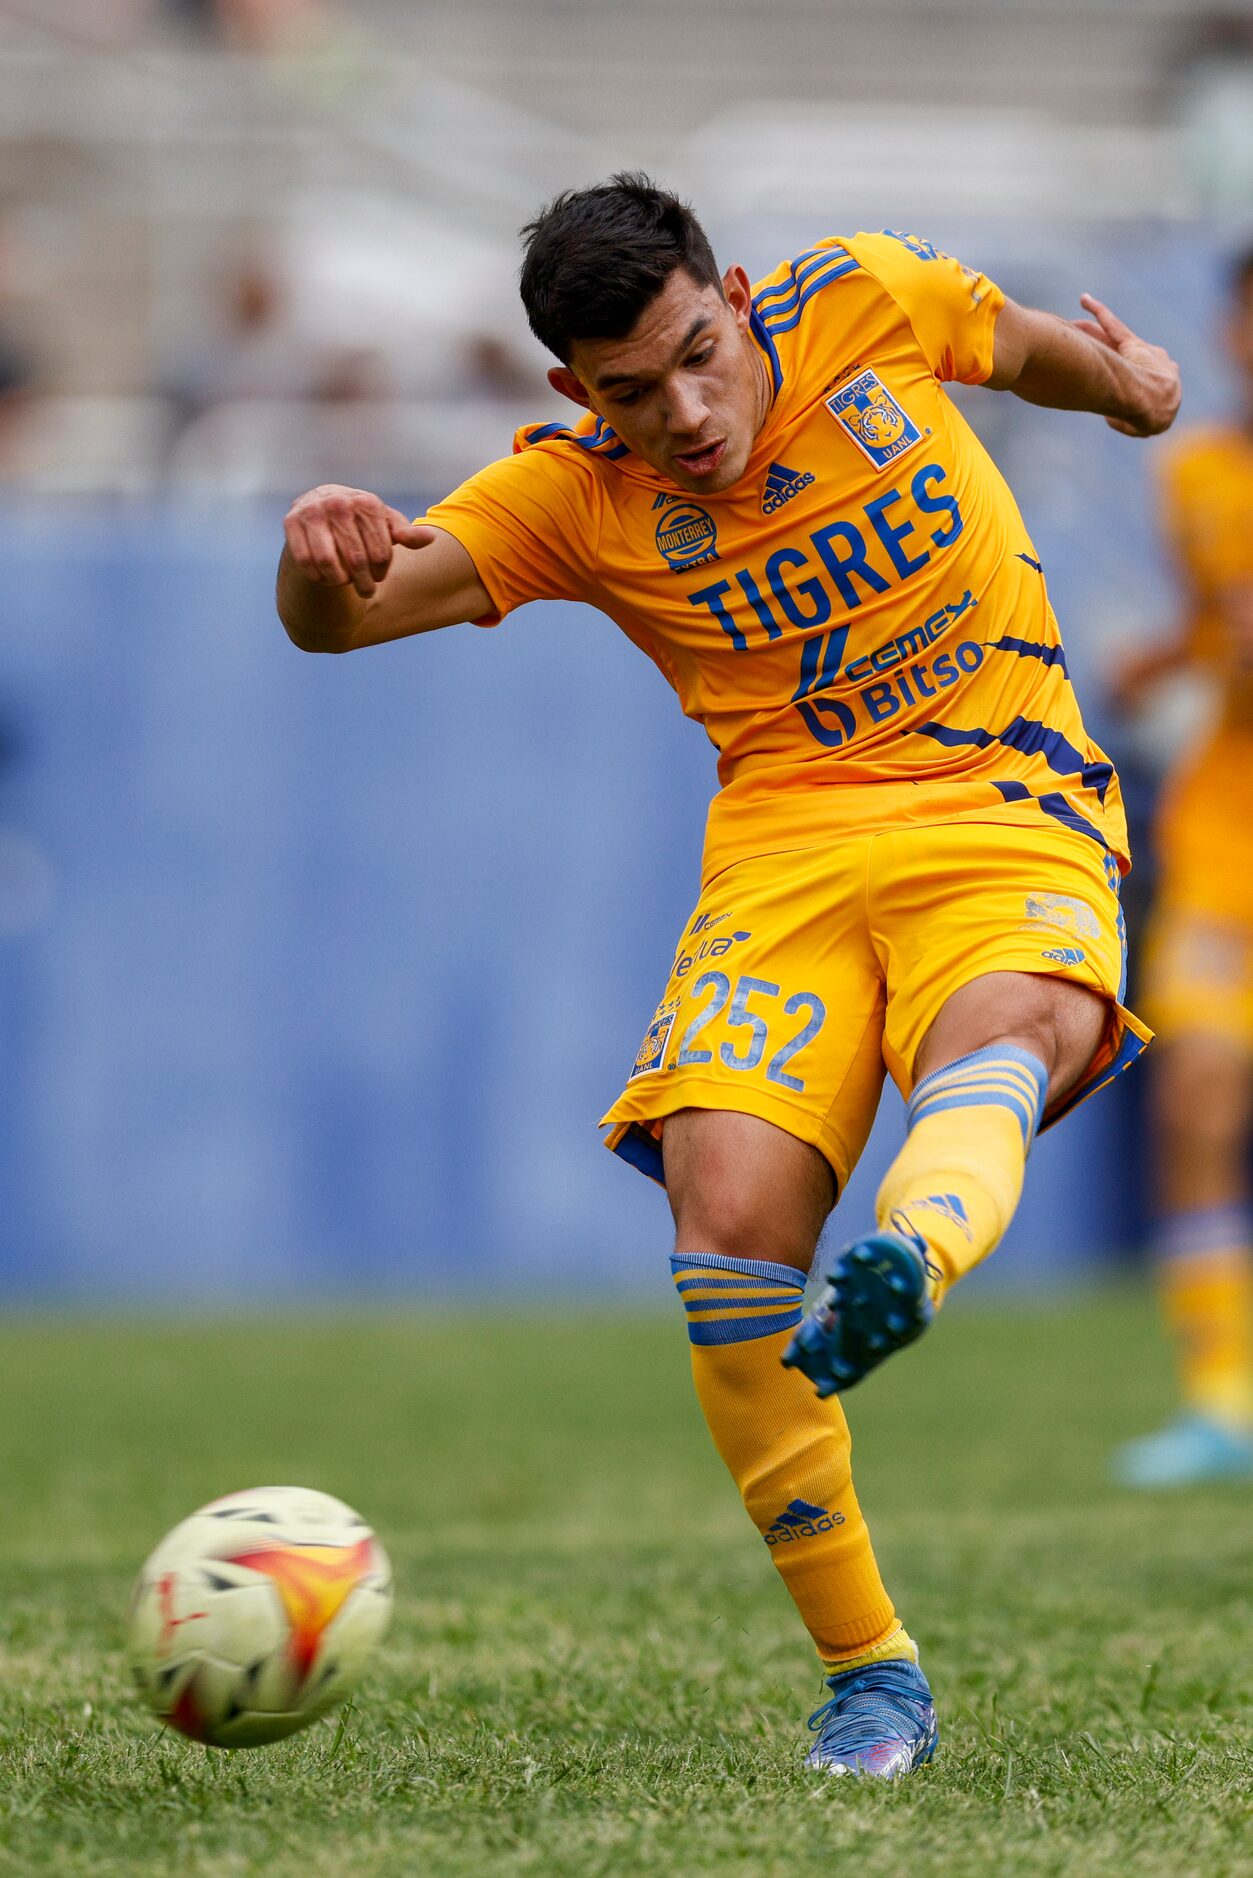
[{"x": 593, "y": 1668}]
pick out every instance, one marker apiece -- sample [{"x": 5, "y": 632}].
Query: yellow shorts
[
  {"x": 1198, "y": 976},
  {"x": 803, "y": 975},
  {"x": 1199, "y": 959}
]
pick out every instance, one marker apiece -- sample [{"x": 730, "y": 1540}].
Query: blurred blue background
[{"x": 315, "y": 974}]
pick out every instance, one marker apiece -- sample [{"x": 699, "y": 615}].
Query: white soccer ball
[{"x": 257, "y": 1615}]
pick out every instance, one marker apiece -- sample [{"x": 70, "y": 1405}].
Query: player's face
[{"x": 687, "y": 389}]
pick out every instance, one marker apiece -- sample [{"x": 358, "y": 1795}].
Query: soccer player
[
  {"x": 914, "y": 858},
  {"x": 1199, "y": 978}
]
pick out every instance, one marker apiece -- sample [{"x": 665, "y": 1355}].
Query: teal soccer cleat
[
  {"x": 880, "y": 1721},
  {"x": 1187, "y": 1452},
  {"x": 877, "y": 1300}
]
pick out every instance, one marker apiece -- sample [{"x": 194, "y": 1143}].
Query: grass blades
[{"x": 593, "y": 1669}]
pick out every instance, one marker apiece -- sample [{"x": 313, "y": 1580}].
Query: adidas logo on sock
[
  {"x": 782, "y": 484},
  {"x": 948, "y": 1206},
  {"x": 801, "y": 1520}
]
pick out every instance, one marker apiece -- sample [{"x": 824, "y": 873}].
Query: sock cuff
[
  {"x": 736, "y": 1300},
  {"x": 1200, "y": 1231},
  {"x": 997, "y": 1076},
  {"x": 897, "y": 1646}
]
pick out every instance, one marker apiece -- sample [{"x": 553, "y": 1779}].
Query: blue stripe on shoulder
[
  {"x": 803, "y": 263},
  {"x": 776, "y": 324}
]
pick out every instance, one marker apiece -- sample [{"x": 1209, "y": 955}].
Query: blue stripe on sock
[
  {"x": 998, "y": 1076},
  {"x": 697, "y": 1262},
  {"x": 1202, "y": 1230},
  {"x": 691, "y": 1272},
  {"x": 743, "y": 1329},
  {"x": 1014, "y": 1104},
  {"x": 696, "y": 1307},
  {"x": 734, "y": 1284}
]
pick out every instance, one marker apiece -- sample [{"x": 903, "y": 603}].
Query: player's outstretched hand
[
  {"x": 1155, "y": 374},
  {"x": 346, "y": 537}
]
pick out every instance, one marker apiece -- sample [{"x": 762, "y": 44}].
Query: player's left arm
[{"x": 1095, "y": 364}]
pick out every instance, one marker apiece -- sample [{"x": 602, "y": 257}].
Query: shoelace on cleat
[{"x": 847, "y": 1729}]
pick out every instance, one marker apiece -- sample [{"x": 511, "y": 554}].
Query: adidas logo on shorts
[{"x": 782, "y": 484}]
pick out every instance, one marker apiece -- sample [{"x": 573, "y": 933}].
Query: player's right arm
[{"x": 355, "y": 572}]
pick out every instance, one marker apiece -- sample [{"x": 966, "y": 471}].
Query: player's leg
[
  {"x": 1003, "y": 1047},
  {"x": 1202, "y": 1111},
  {"x": 1198, "y": 985},
  {"x": 981, "y": 1044},
  {"x": 1202, "y": 1102},
  {"x": 749, "y": 1201},
  {"x": 751, "y": 1098}
]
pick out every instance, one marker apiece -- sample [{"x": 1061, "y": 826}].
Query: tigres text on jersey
[{"x": 861, "y": 622}]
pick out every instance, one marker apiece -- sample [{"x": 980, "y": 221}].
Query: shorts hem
[
  {"x": 1132, "y": 1039},
  {"x": 633, "y": 1129}
]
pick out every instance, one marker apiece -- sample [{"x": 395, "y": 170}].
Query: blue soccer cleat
[
  {"x": 877, "y": 1300},
  {"x": 1187, "y": 1452},
  {"x": 880, "y": 1721}
]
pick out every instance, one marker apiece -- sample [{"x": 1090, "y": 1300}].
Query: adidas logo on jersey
[
  {"x": 781, "y": 485},
  {"x": 801, "y": 1521}
]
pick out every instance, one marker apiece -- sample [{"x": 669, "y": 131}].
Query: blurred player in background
[
  {"x": 1199, "y": 964},
  {"x": 915, "y": 854}
]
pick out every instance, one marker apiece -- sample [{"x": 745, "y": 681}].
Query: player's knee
[
  {"x": 734, "y": 1225},
  {"x": 743, "y": 1188},
  {"x": 1059, "y": 1022}
]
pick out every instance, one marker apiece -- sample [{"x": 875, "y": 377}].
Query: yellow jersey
[
  {"x": 861, "y": 622},
  {"x": 1207, "y": 489}
]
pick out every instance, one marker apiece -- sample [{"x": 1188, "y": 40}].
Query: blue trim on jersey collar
[{"x": 758, "y": 329}]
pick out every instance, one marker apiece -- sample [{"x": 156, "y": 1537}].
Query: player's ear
[
  {"x": 562, "y": 379},
  {"x": 739, "y": 295}
]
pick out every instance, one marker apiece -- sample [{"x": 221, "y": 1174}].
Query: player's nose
[{"x": 686, "y": 410}]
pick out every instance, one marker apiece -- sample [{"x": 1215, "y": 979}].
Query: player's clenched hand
[
  {"x": 345, "y": 537},
  {"x": 1156, "y": 385}
]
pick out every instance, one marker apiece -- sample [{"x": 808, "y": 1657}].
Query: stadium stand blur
[{"x": 330, "y": 970}]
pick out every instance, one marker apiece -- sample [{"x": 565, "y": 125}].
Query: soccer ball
[{"x": 257, "y": 1614}]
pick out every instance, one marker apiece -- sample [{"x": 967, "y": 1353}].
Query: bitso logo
[
  {"x": 868, "y": 412},
  {"x": 782, "y": 484},
  {"x": 687, "y": 536}
]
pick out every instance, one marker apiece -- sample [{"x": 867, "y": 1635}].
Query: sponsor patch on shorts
[{"x": 652, "y": 1052}]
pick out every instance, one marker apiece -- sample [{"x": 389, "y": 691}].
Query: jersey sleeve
[
  {"x": 952, "y": 308},
  {"x": 529, "y": 523}
]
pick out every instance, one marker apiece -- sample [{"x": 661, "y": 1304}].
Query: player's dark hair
[{"x": 595, "y": 258}]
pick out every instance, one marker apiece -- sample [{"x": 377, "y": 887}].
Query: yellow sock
[
  {"x": 957, "y": 1180},
  {"x": 1205, "y": 1278},
  {"x": 788, "y": 1452}
]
